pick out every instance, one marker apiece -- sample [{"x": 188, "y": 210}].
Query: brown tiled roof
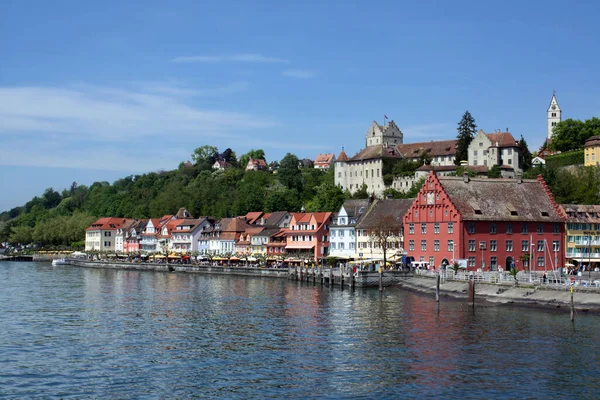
[
  {"x": 324, "y": 159},
  {"x": 374, "y": 152},
  {"x": 500, "y": 199},
  {"x": 343, "y": 157},
  {"x": 433, "y": 148},
  {"x": 504, "y": 139},
  {"x": 582, "y": 213},
  {"x": 253, "y": 217},
  {"x": 592, "y": 141},
  {"x": 394, "y": 208},
  {"x": 274, "y": 218}
]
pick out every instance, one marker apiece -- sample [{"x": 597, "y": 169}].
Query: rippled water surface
[{"x": 82, "y": 333}]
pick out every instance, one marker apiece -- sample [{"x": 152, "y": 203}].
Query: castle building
[
  {"x": 366, "y": 167},
  {"x": 554, "y": 115}
]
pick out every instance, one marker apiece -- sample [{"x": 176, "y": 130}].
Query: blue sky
[{"x": 94, "y": 91}]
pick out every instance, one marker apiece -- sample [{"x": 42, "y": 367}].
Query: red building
[{"x": 490, "y": 223}]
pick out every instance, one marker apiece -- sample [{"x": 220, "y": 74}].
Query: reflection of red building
[
  {"x": 491, "y": 223},
  {"x": 309, "y": 232}
]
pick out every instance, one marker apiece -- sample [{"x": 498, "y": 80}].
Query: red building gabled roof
[{"x": 108, "y": 223}]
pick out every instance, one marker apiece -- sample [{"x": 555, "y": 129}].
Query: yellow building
[
  {"x": 592, "y": 151},
  {"x": 583, "y": 234}
]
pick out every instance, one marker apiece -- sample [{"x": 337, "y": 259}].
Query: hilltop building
[{"x": 498, "y": 148}]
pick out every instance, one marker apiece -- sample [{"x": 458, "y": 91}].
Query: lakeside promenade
[{"x": 490, "y": 288}]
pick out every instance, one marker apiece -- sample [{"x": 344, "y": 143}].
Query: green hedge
[{"x": 564, "y": 159}]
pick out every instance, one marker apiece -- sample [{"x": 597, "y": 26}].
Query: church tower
[{"x": 554, "y": 115}]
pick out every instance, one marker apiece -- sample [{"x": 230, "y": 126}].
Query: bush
[{"x": 564, "y": 159}]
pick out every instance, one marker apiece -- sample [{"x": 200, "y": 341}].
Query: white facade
[
  {"x": 149, "y": 241},
  {"x": 482, "y": 151},
  {"x": 378, "y": 135},
  {"x": 342, "y": 237},
  {"x": 554, "y": 115},
  {"x": 352, "y": 175}
]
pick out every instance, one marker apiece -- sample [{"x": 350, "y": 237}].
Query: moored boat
[{"x": 59, "y": 261}]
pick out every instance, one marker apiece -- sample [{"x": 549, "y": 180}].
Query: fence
[{"x": 554, "y": 280}]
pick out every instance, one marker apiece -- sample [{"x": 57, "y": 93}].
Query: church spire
[{"x": 554, "y": 115}]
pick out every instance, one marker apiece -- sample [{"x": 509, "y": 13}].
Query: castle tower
[
  {"x": 554, "y": 115},
  {"x": 388, "y": 135}
]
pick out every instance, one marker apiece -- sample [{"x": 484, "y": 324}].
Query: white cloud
[
  {"x": 299, "y": 73},
  {"x": 244, "y": 58},
  {"x": 108, "y": 113}
]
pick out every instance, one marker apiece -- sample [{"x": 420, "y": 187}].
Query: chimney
[{"x": 465, "y": 177}]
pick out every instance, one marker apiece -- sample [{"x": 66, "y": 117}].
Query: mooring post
[
  {"x": 380, "y": 278},
  {"x": 314, "y": 276},
  {"x": 330, "y": 276},
  {"x": 472, "y": 293},
  {"x": 353, "y": 281},
  {"x": 572, "y": 306},
  {"x": 437, "y": 288},
  {"x": 321, "y": 277}
]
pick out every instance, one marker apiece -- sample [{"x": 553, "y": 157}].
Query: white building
[
  {"x": 498, "y": 148},
  {"x": 554, "y": 115},
  {"x": 343, "y": 232}
]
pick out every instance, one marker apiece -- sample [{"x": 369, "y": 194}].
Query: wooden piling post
[
  {"x": 437, "y": 288},
  {"x": 314, "y": 276},
  {"x": 353, "y": 282},
  {"x": 330, "y": 276},
  {"x": 572, "y": 306},
  {"x": 321, "y": 277},
  {"x": 380, "y": 278},
  {"x": 472, "y": 293}
]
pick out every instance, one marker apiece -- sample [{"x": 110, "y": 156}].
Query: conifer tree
[
  {"x": 466, "y": 133},
  {"x": 525, "y": 154}
]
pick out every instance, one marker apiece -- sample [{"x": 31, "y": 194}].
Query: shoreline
[{"x": 525, "y": 295}]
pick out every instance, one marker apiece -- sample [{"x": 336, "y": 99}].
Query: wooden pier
[{"x": 345, "y": 278}]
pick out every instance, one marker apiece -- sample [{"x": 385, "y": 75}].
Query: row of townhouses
[{"x": 483, "y": 223}]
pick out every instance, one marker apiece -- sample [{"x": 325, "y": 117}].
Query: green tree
[
  {"x": 526, "y": 155},
  {"x": 466, "y": 132},
  {"x": 289, "y": 174},
  {"x": 567, "y": 135},
  {"x": 361, "y": 193},
  {"x": 21, "y": 235},
  {"x": 204, "y": 156},
  {"x": 254, "y": 153},
  {"x": 495, "y": 172},
  {"x": 328, "y": 198}
]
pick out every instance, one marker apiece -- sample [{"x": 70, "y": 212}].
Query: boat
[{"x": 59, "y": 261}]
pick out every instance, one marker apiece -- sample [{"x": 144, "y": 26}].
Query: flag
[{"x": 385, "y": 117}]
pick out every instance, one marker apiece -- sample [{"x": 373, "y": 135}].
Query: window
[
  {"x": 493, "y": 245},
  {"x": 471, "y": 227},
  {"x": 411, "y": 245},
  {"x": 554, "y": 114},
  {"x": 431, "y": 260},
  {"x": 493, "y": 263},
  {"x": 423, "y": 228},
  {"x": 450, "y": 227},
  {"x": 423, "y": 245},
  {"x": 555, "y": 228},
  {"x": 541, "y": 262},
  {"x": 525, "y": 246},
  {"x": 474, "y": 153},
  {"x": 471, "y": 245},
  {"x": 450, "y": 245},
  {"x": 540, "y": 245},
  {"x": 471, "y": 261},
  {"x": 555, "y": 245},
  {"x": 411, "y": 229},
  {"x": 524, "y": 228},
  {"x": 493, "y": 228},
  {"x": 509, "y": 228},
  {"x": 540, "y": 228},
  {"x": 509, "y": 245},
  {"x": 436, "y": 227},
  {"x": 554, "y": 124},
  {"x": 436, "y": 245}
]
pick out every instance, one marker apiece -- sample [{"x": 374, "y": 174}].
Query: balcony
[
  {"x": 585, "y": 242},
  {"x": 584, "y": 256}
]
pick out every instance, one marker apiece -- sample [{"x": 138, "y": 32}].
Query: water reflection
[{"x": 129, "y": 334}]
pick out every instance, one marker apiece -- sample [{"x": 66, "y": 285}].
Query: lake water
[{"x": 82, "y": 333}]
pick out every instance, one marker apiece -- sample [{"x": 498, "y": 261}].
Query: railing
[
  {"x": 584, "y": 256},
  {"x": 553, "y": 279}
]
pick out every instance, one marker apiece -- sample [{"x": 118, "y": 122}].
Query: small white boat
[{"x": 59, "y": 261}]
